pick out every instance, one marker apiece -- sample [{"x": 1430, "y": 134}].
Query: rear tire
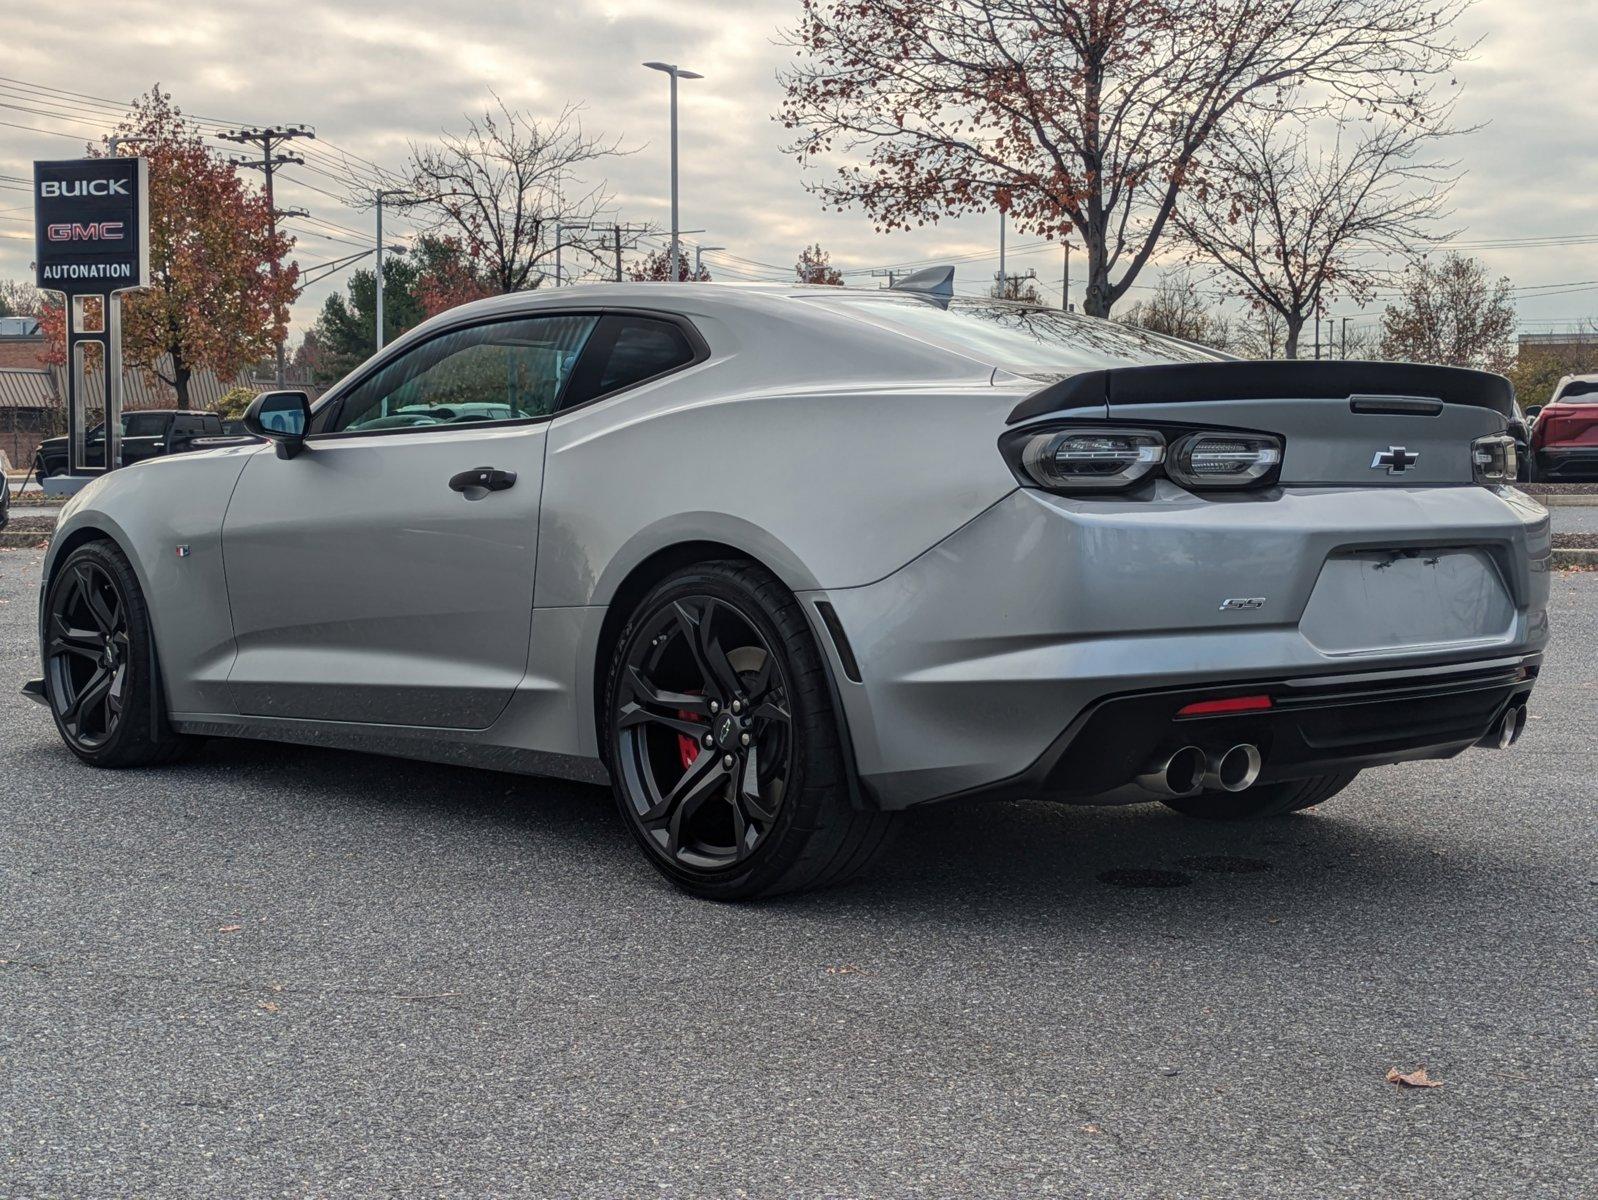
[
  {"x": 101, "y": 677},
  {"x": 1262, "y": 800},
  {"x": 718, "y": 666}
]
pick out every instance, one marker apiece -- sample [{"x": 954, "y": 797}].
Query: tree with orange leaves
[{"x": 214, "y": 302}]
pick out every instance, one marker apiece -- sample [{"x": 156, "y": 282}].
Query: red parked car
[{"x": 1564, "y": 432}]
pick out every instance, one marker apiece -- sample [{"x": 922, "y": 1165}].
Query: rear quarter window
[{"x": 1018, "y": 337}]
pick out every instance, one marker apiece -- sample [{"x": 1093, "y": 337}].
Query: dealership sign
[{"x": 91, "y": 225}]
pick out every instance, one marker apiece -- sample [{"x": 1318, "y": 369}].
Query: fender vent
[{"x": 840, "y": 640}]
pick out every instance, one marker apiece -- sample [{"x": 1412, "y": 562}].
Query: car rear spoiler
[{"x": 1368, "y": 386}]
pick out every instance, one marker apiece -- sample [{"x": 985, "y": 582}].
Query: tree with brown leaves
[
  {"x": 1452, "y": 313},
  {"x": 214, "y": 302},
  {"x": 815, "y": 266},
  {"x": 1081, "y": 115},
  {"x": 656, "y": 268}
]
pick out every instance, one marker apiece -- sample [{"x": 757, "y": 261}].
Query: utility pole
[
  {"x": 381, "y": 195},
  {"x": 1065, "y": 286},
  {"x": 1001, "y": 252},
  {"x": 1002, "y": 292},
  {"x": 623, "y": 237},
  {"x": 1343, "y": 352},
  {"x": 890, "y": 273},
  {"x": 268, "y": 139}
]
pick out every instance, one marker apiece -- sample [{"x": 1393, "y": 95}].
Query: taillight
[
  {"x": 1086, "y": 458},
  {"x": 1492, "y": 460},
  {"x": 1224, "y": 460},
  {"x": 1072, "y": 459}
]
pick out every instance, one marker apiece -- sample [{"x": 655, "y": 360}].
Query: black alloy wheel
[
  {"x": 87, "y": 650},
  {"x": 703, "y": 733},
  {"x": 101, "y": 676},
  {"x": 722, "y": 741}
]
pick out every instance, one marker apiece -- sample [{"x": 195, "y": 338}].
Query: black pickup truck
[{"x": 146, "y": 433}]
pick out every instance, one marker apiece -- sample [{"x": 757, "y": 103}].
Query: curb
[
  {"x": 1566, "y": 559},
  {"x": 1568, "y": 500},
  {"x": 22, "y": 539}
]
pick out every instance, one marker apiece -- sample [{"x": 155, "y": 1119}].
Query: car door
[{"x": 385, "y": 573}]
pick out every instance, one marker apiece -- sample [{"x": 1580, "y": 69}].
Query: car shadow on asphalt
[{"x": 974, "y": 859}]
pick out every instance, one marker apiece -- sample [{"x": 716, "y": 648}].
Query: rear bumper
[
  {"x": 972, "y": 660},
  {"x": 1315, "y": 726},
  {"x": 1567, "y": 462}
]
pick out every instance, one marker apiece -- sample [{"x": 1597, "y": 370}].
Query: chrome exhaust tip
[
  {"x": 1510, "y": 727},
  {"x": 1179, "y": 775},
  {"x": 1233, "y": 770}
]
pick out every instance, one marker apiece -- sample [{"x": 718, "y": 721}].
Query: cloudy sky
[{"x": 374, "y": 78}]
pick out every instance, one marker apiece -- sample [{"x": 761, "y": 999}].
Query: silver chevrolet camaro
[{"x": 780, "y": 562}]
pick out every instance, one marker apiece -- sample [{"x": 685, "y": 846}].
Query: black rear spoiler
[{"x": 1177, "y": 383}]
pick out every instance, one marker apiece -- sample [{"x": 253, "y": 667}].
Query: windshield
[{"x": 1017, "y": 337}]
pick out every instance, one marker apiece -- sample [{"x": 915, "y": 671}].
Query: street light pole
[
  {"x": 676, "y": 73},
  {"x": 380, "y": 197},
  {"x": 699, "y": 254}
]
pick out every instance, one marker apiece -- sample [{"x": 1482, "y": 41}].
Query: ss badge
[{"x": 1241, "y": 603}]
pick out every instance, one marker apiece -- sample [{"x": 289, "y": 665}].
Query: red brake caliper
[{"x": 687, "y": 747}]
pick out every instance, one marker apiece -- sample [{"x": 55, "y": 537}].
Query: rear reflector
[{"x": 1235, "y": 704}]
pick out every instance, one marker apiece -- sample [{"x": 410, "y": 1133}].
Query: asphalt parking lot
[{"x": 285, "y": 972}]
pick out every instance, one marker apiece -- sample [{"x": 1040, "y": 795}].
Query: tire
[
  {"x": 718, "y": 666},
  {"x": 101, "y": 677},
  {"x": 1261, "y": 800}
]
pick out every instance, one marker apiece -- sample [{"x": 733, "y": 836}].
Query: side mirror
[
  {"x": 282, "y": 418},
  {"x": 1532, "y": 410}
]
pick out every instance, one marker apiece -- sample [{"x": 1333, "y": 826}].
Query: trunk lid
[{"x": 1342, "y": 423}]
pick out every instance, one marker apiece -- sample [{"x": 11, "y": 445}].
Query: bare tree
[
  {"x": 504, "y": 187},
  {"x": 1084, "y": 115},
  {"x": 1293, "y": 228},
  {"x": 1021, "y": 288},
  {"x": 19, "y": 298},
  {"x": 1451, "y": 313},
  {"x": 1262, "y": 334},
  {"x": 1179, "y": 309}
]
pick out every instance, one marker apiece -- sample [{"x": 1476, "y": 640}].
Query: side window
[
  {"x": 626, "y": 350},
  {"x": 211, "y": 424},
  {"x": 504, "y": 371}
]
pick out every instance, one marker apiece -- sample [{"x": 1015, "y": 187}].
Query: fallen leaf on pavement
[
  {"x": 230, "y": 929},
  {"x": 1415, "y": 1079},
  {"x": 269, "y": 1006}
]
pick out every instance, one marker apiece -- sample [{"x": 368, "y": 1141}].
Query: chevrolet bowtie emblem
[{"x": 1396, "y": 459}]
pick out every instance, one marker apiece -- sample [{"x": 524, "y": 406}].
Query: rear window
[
  {"x": 1017, "y": 337},
  {"x": 1581, "y": 391},
  {"x": 144, "y": 425}
]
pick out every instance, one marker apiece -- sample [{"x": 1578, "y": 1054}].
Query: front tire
[
  {"x": 722, "y": 741},
  {"x": 101, "y": 676},
  {"x": 1261, "y": 800}
]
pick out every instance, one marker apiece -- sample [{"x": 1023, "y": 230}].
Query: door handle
[{"x": 488, "y": 479}]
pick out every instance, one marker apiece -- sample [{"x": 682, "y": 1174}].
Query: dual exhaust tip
[
  {"x": 1508, "y": 730},
  {"x": 1191, "y": 769}
]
